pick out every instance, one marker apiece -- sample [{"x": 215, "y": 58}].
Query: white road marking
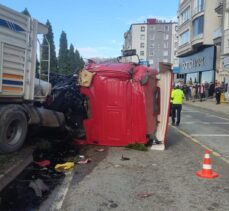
[
  {"x": 210, "y": 135},
  {"x": 62, "y": 191},
  {"x": 190, "y": 111},
  {"x": 203, "y": 145},
  {"x": 206, "y": 123},
  {"x": 212, "y": 115}
]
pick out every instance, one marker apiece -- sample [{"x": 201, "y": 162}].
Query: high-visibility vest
[{"x": 177, "y": 96}]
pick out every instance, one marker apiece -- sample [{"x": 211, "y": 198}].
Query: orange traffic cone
[{"x": 207, "y": 171}]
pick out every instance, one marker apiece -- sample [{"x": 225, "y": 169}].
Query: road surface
[
  {"x": 207, "y": 128},
  {"x": 152, "y": 180}
]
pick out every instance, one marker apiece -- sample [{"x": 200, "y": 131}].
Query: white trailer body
[
  {"x": 18, "y": 85},
  {"x": 18, "y": 47}
]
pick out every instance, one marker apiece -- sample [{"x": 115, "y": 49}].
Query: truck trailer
[{"x": 21, "y": 94}]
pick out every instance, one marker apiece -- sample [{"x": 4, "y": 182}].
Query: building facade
[
  {"x": 198, "y": 54},
  {"x": 221, "y": 38},
  {"x": 155, "y": 41}
]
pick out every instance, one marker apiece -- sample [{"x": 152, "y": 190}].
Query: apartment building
[
  {"x": 221, "y": 38},
  {"x": 198, "y": 54},
  {"x": 154, "y": 41}
]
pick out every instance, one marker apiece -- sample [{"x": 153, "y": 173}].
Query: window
[
  {"x": 165, "y": 53},
  {"x": 152, "y": 28},
  {"x": 185, "y": 15},
  {"x": 166, "y": 37},
  {"x": 198, "y": 6},
  {"x": 226, "y": 20},
  {"x": 184, "y": 38},
  {"x": 166, "y": 44},
  {"x": 198, "y": 25},
  {"x": 151, "y": 51},
  {"x": 166, "y": 28},
  {"x": 142, "y": 45},
  {"x": 152, "y": 36},
  {"x": 142, "y": 37},
  {"x": 142, "y": 28},
  {"x": 141, "y": 53},
  {"x": 151, "y": 45}
]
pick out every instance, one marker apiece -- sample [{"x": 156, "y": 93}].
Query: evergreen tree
[
  {"x": 71, "y": 59},
  {"x": 63, "y": 54},
  {"x": 79, "y": 61},
  {"x": 53, "y": 59},
  {"x": 26, "y": 12}
]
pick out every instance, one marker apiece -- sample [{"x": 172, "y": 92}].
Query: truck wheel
[{"x": 13, "y": 129}]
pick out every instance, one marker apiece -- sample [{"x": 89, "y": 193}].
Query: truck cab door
[{"x": 164, "y": 85}]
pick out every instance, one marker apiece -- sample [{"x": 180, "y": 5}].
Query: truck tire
[{"x": 13, "y": 128}]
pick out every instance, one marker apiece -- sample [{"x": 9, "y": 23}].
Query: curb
[{"x": 9, "y": 175}]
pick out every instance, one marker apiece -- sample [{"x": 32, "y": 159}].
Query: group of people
[
  {"x": 198, "y": 91},
  {"x": 204, "y": 91},
  {"x": 193, "y": 92}
]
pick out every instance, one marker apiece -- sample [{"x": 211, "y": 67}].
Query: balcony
[
  {"x": 197, "y": 40},
  {"x": 217, "y": 36},
  {"x": 197, "y": 10},
  {"x": 219, "y": 7}
]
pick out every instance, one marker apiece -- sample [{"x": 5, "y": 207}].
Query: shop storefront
[{"x": 199, "y": 67}]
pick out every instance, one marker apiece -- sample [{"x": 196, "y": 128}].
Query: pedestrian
[
  {"x": 177, "y": 100},
  {"x": 211, "y": 89},
  {"x": 206, "y": 89},
  {"x": 201, "y": 92},
  {"x": 193, "y": 93},
  {"x": 217, "y": 93}
]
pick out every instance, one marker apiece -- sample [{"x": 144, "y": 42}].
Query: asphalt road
[
  {"x": 152, "y": 180},
  {"x": 207, "y": 128}
]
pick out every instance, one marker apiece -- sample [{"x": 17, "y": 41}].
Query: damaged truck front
[
  {"x": 21, "y": 94},
  {"x": 126, "y": 103}
]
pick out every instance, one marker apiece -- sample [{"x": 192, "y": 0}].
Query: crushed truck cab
[{"x": 127, "y": 103}]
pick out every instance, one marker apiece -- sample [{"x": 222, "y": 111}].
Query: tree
[
  {"x": 26, "y": 12},
  {"x": 79, "y": 61},
  {"x": 63, "y": 54},
  {"x": 71, "y": 59},
  {"x": 53, "y": 59}
]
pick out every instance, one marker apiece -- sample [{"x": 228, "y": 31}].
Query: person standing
[
  {"x": 217, "y": 93},
  {"x": 177, "y": 100},
  {"x": 193, "y": 93}
]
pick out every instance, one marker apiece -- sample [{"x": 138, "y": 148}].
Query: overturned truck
[{"x": 126, "y": 103}]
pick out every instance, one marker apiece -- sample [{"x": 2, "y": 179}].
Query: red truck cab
[{"x": 127, "y": 103}]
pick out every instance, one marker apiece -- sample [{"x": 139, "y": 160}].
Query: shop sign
[{"x": 200, "y": 61}]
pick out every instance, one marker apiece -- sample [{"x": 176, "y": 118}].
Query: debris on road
[
  {"x": 137, "y": 146},
  {"x": 39, "y": 178},
  {"x": 100, "y": 150},
  {"x": 124, "y": 158},
  {"x": 144, "y": 195},
  {"x": 64, "y": 166},
  {"x": 43, "y": 163},
  {"x": 88, "y": 160},
  {"x": 39, "y": 187}
]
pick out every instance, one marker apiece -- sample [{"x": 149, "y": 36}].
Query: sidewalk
[{"x": 210, "y": 105}]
